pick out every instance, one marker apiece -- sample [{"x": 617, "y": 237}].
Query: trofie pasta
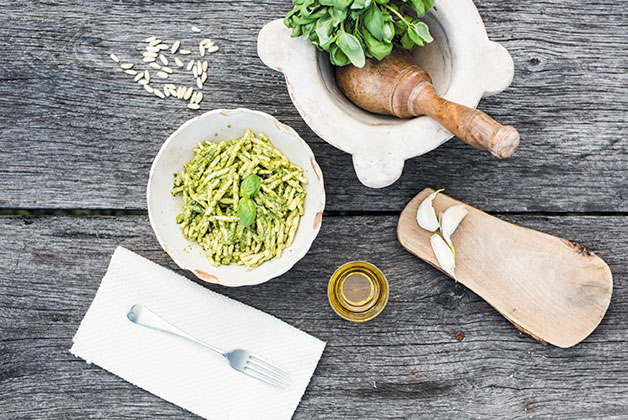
[{"x": 210, "y": 185}]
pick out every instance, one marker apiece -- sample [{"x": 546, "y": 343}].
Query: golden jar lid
[{"x": 358, "y": 291}]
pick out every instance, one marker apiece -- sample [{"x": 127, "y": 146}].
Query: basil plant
[{"x": 352, "y": 30}]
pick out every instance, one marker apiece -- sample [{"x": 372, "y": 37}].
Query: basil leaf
[
  {"x": 320, "y": 13},
  {"x": 377, "y": 49},
  {"x": 360, "y": 4},
  {"x": 337, "y": 57},
  {"x": 355, "y": 14},
  {"x": 352, "y": 48},
  {"x": 418, "y": 7},
  {"x": 341, "y": 4},
  {"x": 296, "y": 31},
  {"x": 374, "y": 22},
  {"x": 338, "y": 15},
  {"x": 246, "y": 211},
  {"x": 389, "y": 31},
  {"x": 324, "y": 28},
  {"x": 307, "y": 29},
  {"x": 250, "y": 185},
  {"x": 400, "y": 27},
  {"x": 301, "y": 20},
  {"x": 423, "y": 31},
  {"x": 406, "y": 42}
]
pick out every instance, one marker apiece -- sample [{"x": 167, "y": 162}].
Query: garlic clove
[
  {"x": 444, "y": 255},
  {"x": 426, "y": 216},
  {"x": 450, "y": 220}
]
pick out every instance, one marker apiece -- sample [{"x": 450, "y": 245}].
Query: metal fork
[{"x": 239, "y": 359}]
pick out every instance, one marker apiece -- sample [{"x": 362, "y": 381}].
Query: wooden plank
[
  {"x": 405, "y": 364},
  {"x": 76, "y": 132},
  {"x": 549, "y": 287}
]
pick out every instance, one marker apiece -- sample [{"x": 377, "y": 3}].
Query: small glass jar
[{"x": 358, "y": 291}]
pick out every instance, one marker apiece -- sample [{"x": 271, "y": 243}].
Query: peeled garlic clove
[
  {"x": 426, "y": 216},
  {"x": 444, "y": 255},
  {"x": 450, "y": 220}
]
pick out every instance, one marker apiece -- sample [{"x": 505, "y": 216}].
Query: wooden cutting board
[{"x": 551, "y": 288}]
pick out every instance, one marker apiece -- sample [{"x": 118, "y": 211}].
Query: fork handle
[{"x": 140, "y": 315}]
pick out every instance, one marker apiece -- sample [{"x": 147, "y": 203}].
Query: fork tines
[{"x": 267, "y": 372}]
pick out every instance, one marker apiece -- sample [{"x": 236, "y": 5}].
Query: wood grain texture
[
  {"x": 405, "y": 364},
  {"x": 551, "y": 288},
  {"x": 76, "y": 133}
]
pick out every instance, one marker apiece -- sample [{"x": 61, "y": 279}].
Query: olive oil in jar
[{"x": 358, "y": 291}]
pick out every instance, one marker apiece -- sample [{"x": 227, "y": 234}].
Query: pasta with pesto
[{"x": 210, "y": 187}]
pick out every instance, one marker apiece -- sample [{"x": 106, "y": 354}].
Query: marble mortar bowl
[{"x": 463, "y": 63}]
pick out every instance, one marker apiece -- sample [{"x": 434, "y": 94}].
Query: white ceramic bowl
[
  {"x": 163, "y": 207},
  {"x": 463, "y": 63}
]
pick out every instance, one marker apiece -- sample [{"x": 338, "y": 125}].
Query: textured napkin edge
[
  {"x": 122, "y": 250},
  {"x": 118, "y": 249}
]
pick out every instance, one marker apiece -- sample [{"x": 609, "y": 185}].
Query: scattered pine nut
[
  {"x": 154, "y": 56},
  {"x": 175, "y": 46}
]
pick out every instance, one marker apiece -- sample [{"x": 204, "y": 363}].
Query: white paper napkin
[{"x": 184, "y": 373}]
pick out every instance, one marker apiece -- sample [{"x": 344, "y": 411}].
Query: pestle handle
[{"x": 470, "y": 125}]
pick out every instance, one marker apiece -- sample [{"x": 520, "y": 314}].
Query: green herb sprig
[{"x": 352, "y": 30}]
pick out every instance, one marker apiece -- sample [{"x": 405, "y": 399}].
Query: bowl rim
[{"x": 281, "y": 269}]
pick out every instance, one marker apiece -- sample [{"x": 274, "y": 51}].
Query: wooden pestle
[{"x": 397, "y": 86}]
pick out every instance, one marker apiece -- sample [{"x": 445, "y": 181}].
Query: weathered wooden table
[{"x": 77, "y": 139}]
